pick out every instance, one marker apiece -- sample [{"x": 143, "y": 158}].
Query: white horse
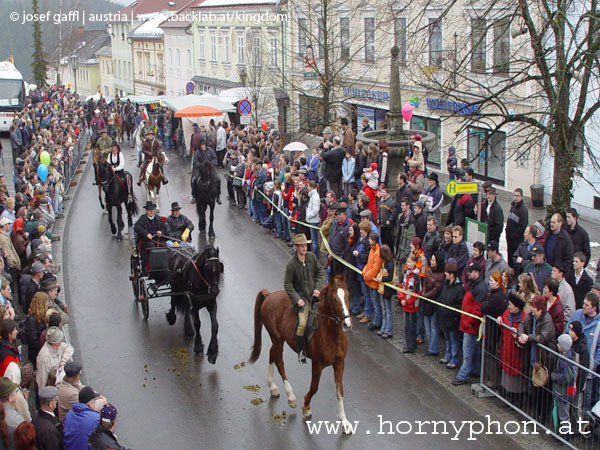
[{"x": 153, "y": 178}]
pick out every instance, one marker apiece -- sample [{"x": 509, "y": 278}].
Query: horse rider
[
  {"x": 110, "y": 128},
  {"x": 150, "y": 149},
  {"x": 103, "y": 145},
  {"x": 127, "y": 108},
  {"x": 117, "y": 162},
  {"x": 303, "y": 276},
  {"x": 179, "y": 227},
  {"x": 149, "y": 228},
  {"x": 97, "y": 121},
  {"x": 202, "y": 156}
]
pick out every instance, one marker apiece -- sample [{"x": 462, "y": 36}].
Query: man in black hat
[
  {"x": 104, "y": 143},
  {"x": 338, "y": 239},
  {"x": 149, "y": 228},
  {"x": 518, "y": 219},
  {"x": 48, "y": 430},
  {"x": 435, "y": 198},
  {"x": 150, "y": 149},
  {"x": 491, "y": 213},
  {"x": 179, "y": 227},
  {"x": 302, "y": 281}
]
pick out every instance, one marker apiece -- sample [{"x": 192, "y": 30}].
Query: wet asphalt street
[{"x": 167, "y": 398}]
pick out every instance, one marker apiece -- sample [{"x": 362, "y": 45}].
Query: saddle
[{"x": 311, "y": 323}]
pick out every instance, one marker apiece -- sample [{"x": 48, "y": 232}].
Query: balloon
[
  {"x": 264, "y": 125},
  {"x": 42, "y": 172},
  {"x": 407, "y": 111},
  {"x": 45, "y": 158}
]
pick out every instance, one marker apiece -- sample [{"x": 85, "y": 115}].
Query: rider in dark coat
[
  {"x": 147, "y": 226},
  {"x": 202, "y": 156},
  {"x": 150, "y": 149}
]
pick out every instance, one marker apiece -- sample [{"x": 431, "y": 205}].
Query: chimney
[{"x": 80, "y": 30}]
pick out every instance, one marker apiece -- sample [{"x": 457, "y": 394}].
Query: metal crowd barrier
[
  {"x": 71, "y": 161},
  {"x": 511, "y": 380}
]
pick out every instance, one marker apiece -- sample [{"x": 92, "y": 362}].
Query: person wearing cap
[
  {"x": 522, "y": 256},
  {"x": 538, "y": 268},
  {"x": 103, "y": 438},
  {"x": 179, "y": 227},
  {"x": 54, "y": 354},
  {"x": 149, "y": 228},
  {"x": 34, "y": 286},
  {"x": 51, "y": 288},
  {"x": 516, "y": 224},
  {"x": 48, "y": 430},
  {"x": 563, "y": 378},
  {"x": 471, "y": 303},
  {"x": 492, "y": 215},
  {"x": 434, "y": 197},
  {"x": 333, "y": 166},
  {"x": 83, "y": 419},
  {"x": 104, "y": 143},
  {"x": 338, "y": 240},
  {"x": 558, "y": 246},
  {"x": 495, "y": 262},
  {"x": 565, "y": 291},
  {"x": 579, "y": 280},
  {"x": 302, "y": 282},
  {"x": 150, "y": 149},
  {"x": 68, "y": 389}
]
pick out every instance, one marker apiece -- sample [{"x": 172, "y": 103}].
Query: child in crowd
[
  {"x": 410, "y": 303},
  {"x": 386, "y": 275}
]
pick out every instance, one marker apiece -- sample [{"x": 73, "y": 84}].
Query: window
[
  {"x": 213, "y": 47},
  {"x": 273, "y": 51},
  {"x": 501, "y": 47},
  {"x": 435, "y": 126},
  {"x": 345, "y": 37},
  {"x": 226, "y": 45},
  {"x": 188, "y": 53},
  {"x": 311, "y": 113},
  {"x": 435, "y": 42},
  {"x": 178, "y": 55},
  {"x": 241, "y": 49},
  {"x": 171, "y": 56},
  {"x": 302, "y": 37},
  {"x": 400, "y": 38},
  {"x": 148, "y": 66},
  {"x": 478, "y": 50},
  {"x": 579, "y": 151},
  {"x": 129, "y": 73},
  {"x": 201, "y": 55},
  {"x": 139, "y": 63},
  {"x": 321, "y": 34},
  {"x": 256, "y": 50},
  {"x": 119, "y": 70},
  {"x": 486, "y": 152},
  {"x": 370, "y": 39}
]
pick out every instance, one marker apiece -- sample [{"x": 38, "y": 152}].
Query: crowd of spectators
[{"x": 43, "y": 404}]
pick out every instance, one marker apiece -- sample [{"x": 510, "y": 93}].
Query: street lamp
[
  {"x": 243, "y": 75},
  {"x": 74, "y": 62}
]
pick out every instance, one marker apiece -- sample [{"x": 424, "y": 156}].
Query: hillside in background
[{"x": 16, "y": 37}]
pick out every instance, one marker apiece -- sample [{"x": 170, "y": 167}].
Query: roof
[
  {"x": 85, "y": 46},
  {"x": 150, "y": 29},
  {"x": 213, "y": 3},
  {"x": 216, "y": 82},
  {"x": 176, "y": 23},
  {"x": 151, "y": 6},
  {"x": 105, "y": 51}
]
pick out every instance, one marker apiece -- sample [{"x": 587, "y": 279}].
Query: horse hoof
[
  {"x": 292, "y": 403},
  {"x": 199, "y": 351},
  {"x": 212, "y": 359},
  {"x": 202, "y": 230},
  {"x": 306, "y": 412},
  {"x": 275, "y": 393},
  {"x": 189, "y": 337},
  {"x": 346, "y": 427},
  {"x": 211, "y": 234},
  {"x": 171, "y": 318},
  {"x": 113, "y": 229}
]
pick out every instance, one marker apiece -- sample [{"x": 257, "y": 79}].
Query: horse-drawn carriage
[{"x": 189, "y": 277}]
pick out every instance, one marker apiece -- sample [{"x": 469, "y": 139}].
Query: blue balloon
[{"x": 42, "y": 172}]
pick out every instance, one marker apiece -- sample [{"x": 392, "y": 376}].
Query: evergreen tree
[{"x": 39, "y": 64}]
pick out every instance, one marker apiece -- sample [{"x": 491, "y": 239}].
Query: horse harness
[{"x": 191, "y": 260}]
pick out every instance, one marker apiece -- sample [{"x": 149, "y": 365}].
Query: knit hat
[
  {"x": 565, "y": 342},
  {"x": 576, "y": 327},
  {"x": 539, "y": 302},
  {"x": 373, "y": 166}
]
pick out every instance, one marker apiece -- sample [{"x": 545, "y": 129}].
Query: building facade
[{"x": 105, "y": 65}]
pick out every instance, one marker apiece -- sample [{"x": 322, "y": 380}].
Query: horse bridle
[
  {"x": 191, "y": 260},
  {"x": 336, "y": 319}
]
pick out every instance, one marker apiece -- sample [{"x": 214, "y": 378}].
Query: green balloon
[{"x": 45, "y": 158}]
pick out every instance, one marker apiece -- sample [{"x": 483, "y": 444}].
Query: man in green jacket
[{"x": 303, "y": 276}]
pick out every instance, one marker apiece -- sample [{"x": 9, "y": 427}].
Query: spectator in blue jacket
[
  {"x": 348, "y": 172},
  {"x": 83, "y": 419}
]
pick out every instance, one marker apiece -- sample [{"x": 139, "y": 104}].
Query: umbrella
[
  {"x": 295, "y": 147},
  {"x": 198, "y": 111}
]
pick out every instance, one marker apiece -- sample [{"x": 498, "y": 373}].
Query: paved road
[{"x": 169, "y": 399}]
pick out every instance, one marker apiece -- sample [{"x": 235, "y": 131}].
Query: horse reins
[{"x": 190, "y": 260}]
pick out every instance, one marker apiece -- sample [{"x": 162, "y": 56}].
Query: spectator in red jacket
[
  {"x": 554, "y": 307},
  {"x": 9, "y": 352}
]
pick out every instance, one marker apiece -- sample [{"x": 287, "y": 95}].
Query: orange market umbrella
[{"x": 198, "y": 111}]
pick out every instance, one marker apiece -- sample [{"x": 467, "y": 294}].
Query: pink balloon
[{"x": 407, "y": 111}]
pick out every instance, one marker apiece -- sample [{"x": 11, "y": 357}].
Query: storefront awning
[{"x": 177, "y": 103}]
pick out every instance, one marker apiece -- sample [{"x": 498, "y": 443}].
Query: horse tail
[
  {"x": 257, "y": 346},
  {"x": 132, "y": 207}
]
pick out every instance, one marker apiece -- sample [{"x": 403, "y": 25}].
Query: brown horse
[
  {"x": 153, "y": 177},
  {"x": 328, "y": 346},
  {"x": 118, "y": 120}
]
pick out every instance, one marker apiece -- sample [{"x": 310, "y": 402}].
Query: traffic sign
[
  {"x": 244, "y": 107},
  {"x": 189, "y": 87},
  {"x": 453, "y": 188},
  {"x": 245, "y": 120}
]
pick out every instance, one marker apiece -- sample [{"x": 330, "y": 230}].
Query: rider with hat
[
  {"x": 117, "y": 161},
  {"x": 179, "y": 227},
  {"x": 101, "y": 150},
  {"x": 303, "y": 276},
  {"x": 206, "y": 155},
  {"x": 150, "y": 149},
  {"x": 149, "y": 228}
]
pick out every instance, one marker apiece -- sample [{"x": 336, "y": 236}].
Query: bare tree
[{"x": 541, "y": 85}]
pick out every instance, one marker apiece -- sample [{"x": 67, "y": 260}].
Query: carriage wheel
[
  {"x": 134, "y": 277},
  {"x": 144, "y": 299}
]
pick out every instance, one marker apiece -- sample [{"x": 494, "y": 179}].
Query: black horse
[
  {"x": 197, "y": 276},
  {"x": 129, "y": 126},
  {"x": 205, "y": 190},
  {"x": 117, "y": 191}
]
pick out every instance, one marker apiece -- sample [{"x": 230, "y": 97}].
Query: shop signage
[
  {"x": 366, "y": 94},
  {"x": 463, "y": 109}
]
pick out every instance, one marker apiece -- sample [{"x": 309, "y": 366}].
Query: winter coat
[
  {"x": 363, "y": 247},
  {"x": 417, "y": 180},
  {"x": 49, "y": 359},
  {"x": 450, "y": 295},
  {"x": 540, "y": 273},
  {"x": 511, "y": 354},
  {"x": 348, "y": 170},
  {"x": 333, "y": 168},
  {"x": 411, "y": 283},
  {"x": 48, "y": 431},
  {"x": 460, "y": 253},
  {"x": 567, "y": 298},
  {"x": 581, "y": 288},
  {"x": 544, "y": 329},
  {"x": 431, "y": 289},
  {"x": 518, "y": 219},
  {"x": 385, "y": 212},
  {"x": 495, "y": 303},
  {"x": 451, "y": 161},
  {"x": 492, "y": 266},
  {"x": 406, "y": 232},
  {"x": 431, "y": 243},
  {"x": 33, "y": 330},
  {"x": 581, "y": 241},
  {"x": 338, "y": 237},
  {"x": 372, "y": 268},
  {"x": 8, "y": 353},
  {"x": 563, "y": 251},
  {"x": 314, "y": 207},
  {"x": 465, "y": 207},
  {"x": 388, "y": 278},
  {"x": 403, "y": 192},
  {"x": 523, "y": 252},
  {"x": 301, "y": 279},
  {"x": 557, "y": 314},
  {"x": 590, "y": 327},
  {"x": 563, "y": 376},
  {"x": 471, "y": 303},
  {"x": 103, "y": 439},
  {"x": 79, "y": 424},
  {"x": 420, "y": 225},
  {"x": 481, "y": 261},
  {"x": 494, "y": 220}
]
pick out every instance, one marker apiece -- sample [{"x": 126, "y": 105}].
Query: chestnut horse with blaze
[{"x": 328, "y": 346}]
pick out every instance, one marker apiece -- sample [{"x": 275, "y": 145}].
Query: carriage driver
[
  {"x": 179, "y": 227},
  {"x": 150, "y": 149},
  {"x": 303, "y": 276},
  {"x": 148, "y": 226}
]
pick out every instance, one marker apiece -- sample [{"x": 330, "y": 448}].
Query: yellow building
[{"x": 105, "y": 64}]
